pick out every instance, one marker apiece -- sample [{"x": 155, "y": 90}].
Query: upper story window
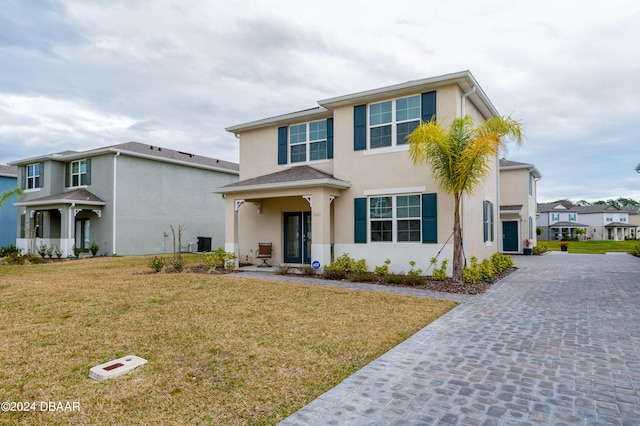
[
  {"x": 308, "y": 141},
  {"x": 78, "y": 173},
  {"x": 608, "y": 218},
  {"x": 390, "y": 122},
  {"x": 395, "y": 218},
  {"x": 623, "y": 218},
  {"x": 573, "y": 217},
  {"x": 555, "y": 217},
  {"x": 33, "y": 176}
]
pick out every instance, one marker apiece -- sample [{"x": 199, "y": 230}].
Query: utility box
[{"x": 204, "y": 244}]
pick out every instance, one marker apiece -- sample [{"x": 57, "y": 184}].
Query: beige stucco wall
[{"x": 514, "y": 190}]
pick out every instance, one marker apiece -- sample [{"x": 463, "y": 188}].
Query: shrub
[
  {"x": 219, "y": 259},
  {"x": 42, "y": 250},
  {"x": 363, "y": 276},
  {"x": 9, "y": 250},
  {"x": 439, "y": 274},
  {"x": 94, "y": 248},
  {"x": 471, "y": 274},
  {"x": 383, "y": 270},
  {"x": 177, "y": 263},
  {"x": 539, "y": 249},
  {"x": 486, "y": 269},
  {"x": 347, "y": 264},
  {"x": 636, "y": 250},
  {"x": 394, "y": 278},
  {"x": 283, "y": 269},
  {"x": 307, "y": 270},
  {"x": 331, "y": 273},
  {"x": 501, "y": 262},
  {"x": 413, "y": 279},
  {"x": 414, "y": 272},
  {"x": 156, "y": 263},
  {"x": 50, "y": 251}
]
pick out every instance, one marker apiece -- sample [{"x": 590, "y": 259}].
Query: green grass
[
  {"x": 221, "y": 349},
  {"x": 594, "y": 247}
]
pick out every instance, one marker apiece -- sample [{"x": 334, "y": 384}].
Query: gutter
[{"x": 115, "y": 203}]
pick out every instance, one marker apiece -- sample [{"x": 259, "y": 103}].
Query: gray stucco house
[{"x": 124, "y": 197}]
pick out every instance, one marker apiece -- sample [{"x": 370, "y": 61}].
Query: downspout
[
  {"x": 70, "y": 228},
  {"x": 463, "y": 195},
  {"x": 114, "y": 202}
]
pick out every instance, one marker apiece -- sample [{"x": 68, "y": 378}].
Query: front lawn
[
  {"x": 221, "y": 349},
  {"x": 594, "y": 247}
]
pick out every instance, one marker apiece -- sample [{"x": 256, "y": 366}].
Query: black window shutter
[
  {"x": 360, "y": 220},
  {"x": 428, "y": 106},
  {"x": 23, "y": 177},
  {"x": 67, "y": 175},
  {"x": 41, "y": 175},
  {"x": 329, "y": 137},
  {"x": 485, "y": 221},
  {"x": 430, "y": 218},
  {"x": 282, "y": 145},
  {"x": 359, "y": 127},
  {"x": 88, "y": 162}
]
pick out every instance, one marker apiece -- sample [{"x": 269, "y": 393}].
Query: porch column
[
  {"x": 231, "y": 234},
  {"x": 321, "y": 227}
]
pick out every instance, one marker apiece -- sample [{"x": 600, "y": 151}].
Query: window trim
[
  {"x": 308, "y": 142},
  {"x": 393, "y": 123},
  {"x": 394, "y": 219}
]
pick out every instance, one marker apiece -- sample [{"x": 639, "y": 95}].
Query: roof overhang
[
  {"x": 531, "y": 168},
  {"x": 316, "y": 113},
  {"x": 329, "y": 183}
]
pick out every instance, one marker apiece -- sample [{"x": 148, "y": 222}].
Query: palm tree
[
  {"x": 7, "y": 194},
  {"x": 459, "y": 159}
]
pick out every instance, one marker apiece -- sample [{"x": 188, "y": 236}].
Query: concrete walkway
[{"x": 556, "y": 342}]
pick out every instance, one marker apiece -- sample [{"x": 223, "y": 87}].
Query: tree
[
  {"x": 459, "y": 156},
  {"x": 8, "y": 194}
]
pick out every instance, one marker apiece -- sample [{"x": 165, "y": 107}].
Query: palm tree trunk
[{"x": 457, "y": 241}]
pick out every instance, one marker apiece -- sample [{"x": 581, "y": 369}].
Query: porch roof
[
  {"x": 294, "y": 177},
  {"x": 568, "y": 225},
  {"x": 620, "y": 225},
  {"x": 77, "y": 196}
]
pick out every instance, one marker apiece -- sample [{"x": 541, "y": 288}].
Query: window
[
  {"x": 33, "y": 176},
  {"x": 488, "y": 220},
  {"x": 623, "y": 218},
  {"x": 555, "y": 217},
  {"x": 572, "y": 217},
  {"x": 395, "y": 218},
  {"x": 79, "y": 173},
  {"x": 390, "y": 122},
  {"x": 608, "y": 218},
  {"x": 308, "y": 141}
]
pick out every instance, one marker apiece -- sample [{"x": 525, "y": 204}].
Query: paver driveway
[{"x": 557, "y": 342}]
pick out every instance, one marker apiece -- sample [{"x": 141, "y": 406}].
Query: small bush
[
  {"x": 347, "y": 264},
  {"x": 439, "y": 274},
  {"x": 364, "y": 277},
  {"x": 414, "y": 272},
  {"x": 42, "y": 250},
  {"x": 413, "y": 279},
  {"x": 394, "y": 278},
  {"x": 636, "y": 250},
  {"x": 539, "y": 249},
  {"x": 486, "y": 269},
  {"x": 471, "y": 274},
  {"x": 331, "y": 273},
  {"x": 501, "y": 262},
  {"x": 219, "y": 259},
  {"x": 284, "y": 269},
  {"x": 177, "y": 263},
  {"x": 9, "y": 250},
  {"x": 383, "y": 270},
  {"x": 307, "y": 270},
  {"x": 94, "y": 248},
  {"x": 156, "y": 263}
]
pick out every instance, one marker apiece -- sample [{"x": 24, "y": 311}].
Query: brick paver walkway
[{"x": 557, "y": 342}]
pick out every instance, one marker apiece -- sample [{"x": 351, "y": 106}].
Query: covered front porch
[
  {"x": 618, "y": 231},
  {"x": 560, "y": 230},
  {"x": 59, "y": 222},
  {"x": 291, "y": 209}
]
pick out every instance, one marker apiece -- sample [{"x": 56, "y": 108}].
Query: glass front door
[
  {"x": 83, "y": 239},
  {"x": 297, "y": 237}
]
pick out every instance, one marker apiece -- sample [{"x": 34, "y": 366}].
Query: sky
[{"x": 77, "y": 75}]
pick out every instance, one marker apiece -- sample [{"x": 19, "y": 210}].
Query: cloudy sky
[{"x": 89, "y": 73}]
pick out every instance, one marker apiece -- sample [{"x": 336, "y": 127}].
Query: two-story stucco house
[
  {"x": 8, "y": 213},
  {"x": 122, "y": 197},
  {"x": 518, "y": 205},
  {"x": 337, "y": 178},
  {"x": 558, "y": 221},
  {"x": 607, "y": 222}
]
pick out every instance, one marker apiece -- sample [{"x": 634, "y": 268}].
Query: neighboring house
[
  {"x": 124, "y": 197},
  {"x": 558, "y": 221},
  {"x": 606, "y": 222},
  {"x": 338, "y": 179},
  {"x": 634, "y": 217},
  {"x": 8, "y": 212},
  {"x": 518, "y": 192}
]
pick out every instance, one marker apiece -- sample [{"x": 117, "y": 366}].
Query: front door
[
  {"x": 297, "y": 237},
  {"x": 510, "y": 236},
  {"x": 82, "y": 234}
]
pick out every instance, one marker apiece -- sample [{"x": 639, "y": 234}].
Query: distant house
[
  {"x": 8, "y": 212},
  {"x": 518, "y": 194},
  {"x": 600, "y": 222},
  {"x": 337, "y": 179},
  {"x": 122, "y": 197},
  {"x": 606, "y": 222}
]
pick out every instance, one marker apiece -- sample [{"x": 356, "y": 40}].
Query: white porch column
[
  {"x": 232, "y": 233},
  {"x": 320, "y": 227}
]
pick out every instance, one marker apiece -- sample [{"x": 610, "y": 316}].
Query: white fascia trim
[
  {"x": 391, "y": 191},
  {"x": 285, "y": 119},
  {"x": 59, "y": 201},
  {"x": 285, "y": 185}
]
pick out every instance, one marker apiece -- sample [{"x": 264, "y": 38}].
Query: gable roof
[
  {"x": 598, "y": 208},
  {"x": 137, "y": 149},
  {"x": 553, "y": 207},
  {"x": 464, "y": 79},
  {"x": 8, "y": 171},
  {"x": 514, "y": 165},
  {"x": 293, "y": 177},
  {"x": 77, "y": 196}
]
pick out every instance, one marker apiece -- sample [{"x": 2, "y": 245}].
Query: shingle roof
[
  {"x": 294, "y": 176},
  {"x": 568, "y": 225},
  {"x": 505, "y": 164},
  {"x": 8, "y": 170},
  {"x": 79, "y": 196},
  {"x": 550, "y": 207},
  {"x": 599, "y": 208}
]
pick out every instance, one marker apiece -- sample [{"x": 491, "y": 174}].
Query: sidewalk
[{"x": 556, "y": 342}]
